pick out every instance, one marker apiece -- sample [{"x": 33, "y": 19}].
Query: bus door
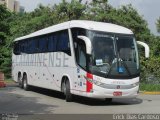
[{"x": 80, "y": 53}]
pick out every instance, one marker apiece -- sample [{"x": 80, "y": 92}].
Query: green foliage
[
  {"x": 126, "y": 16},
  {"x": 149, "y": 87},
  {"x": 69, "y": 11},
  {"x": 15, "y": 25},
  {"x": 5, "y": 60},
  {"x": 4, "y": 27}
]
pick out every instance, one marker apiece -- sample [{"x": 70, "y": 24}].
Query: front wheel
[
  {"x": 108, "y": 100},
  {"x": 66, "y": 91}
]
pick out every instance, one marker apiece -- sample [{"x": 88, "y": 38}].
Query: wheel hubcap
[
  {"x": 64, "y": 88},
  {"x": 25, "y": 84}
]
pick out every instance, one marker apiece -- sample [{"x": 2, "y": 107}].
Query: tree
[
  {"x": 5, "y": 63},
  {"x": 69, "y": 11},
  {"x": 4, "y": 27}
]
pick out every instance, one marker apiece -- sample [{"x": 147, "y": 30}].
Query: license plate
[{"x": 117, "y": 93}]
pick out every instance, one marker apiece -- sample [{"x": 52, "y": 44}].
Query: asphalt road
[{"x": 39, "y": 101}]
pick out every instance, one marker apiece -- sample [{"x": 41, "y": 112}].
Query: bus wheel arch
[{"x": 66, "y": 88}]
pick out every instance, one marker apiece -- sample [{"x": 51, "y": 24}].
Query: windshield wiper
[
  {"x": 109, "y": 71},
  {"x": 110, "y": 68},
  {"x": 125, "y": 65}
]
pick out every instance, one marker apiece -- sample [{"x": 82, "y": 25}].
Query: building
[
  {"x": 12, "y": 5},
  {"x": 22, "y": 9},
  {"x": 2, "y": 1},
  {"x": 16, "y": 6}
]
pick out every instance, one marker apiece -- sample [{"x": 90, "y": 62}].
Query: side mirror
[
  {"x": 88, "y": 44},
  {"x": 146, "y": 48}
]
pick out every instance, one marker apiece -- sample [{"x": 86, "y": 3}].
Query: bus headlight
[
  {"x": 88, "y": 79},
  {"x": 97, "y": 83},
  {"x": 94, "y": 81}
]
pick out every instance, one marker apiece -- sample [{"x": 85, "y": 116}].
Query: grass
[
  {"x": 149, "y": 87},
  {"x": 9, "y": 81}
]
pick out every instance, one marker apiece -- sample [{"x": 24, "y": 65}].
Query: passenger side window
[
  {"x": 43, "y": 44},
  {"x": 16, "y": 49},
  {"x": 63, "y": 42},
  {"x": 79, "y": 46},
  {"x": 23, "y": 46},
  {"x": 81, "y": 54},
  {"x": 52, "y": 42},
  {"x": 32, "y": 46}
]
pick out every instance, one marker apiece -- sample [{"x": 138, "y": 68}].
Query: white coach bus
[{"x": 85, "y": 58}]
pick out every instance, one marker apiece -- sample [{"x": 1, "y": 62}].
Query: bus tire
[
  {"x": 25, "y": 83},
  {"x": 20, "y": 81},
  {"x": 67, "y": 91},
  {"x": 108, "y": 100}
]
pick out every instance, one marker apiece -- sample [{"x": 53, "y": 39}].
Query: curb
[
  {"x": 11, "y": 84},
  {"x": 149, "y": 93}
]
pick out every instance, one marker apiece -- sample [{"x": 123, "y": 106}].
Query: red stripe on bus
[{"x": 89, "y": 85}]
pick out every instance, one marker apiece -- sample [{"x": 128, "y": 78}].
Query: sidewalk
[
  {"x": 11, "y": 84},
  {"x": 150, "y": 92}
]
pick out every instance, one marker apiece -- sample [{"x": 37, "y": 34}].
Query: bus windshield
[{"x": 113, "y": 55}]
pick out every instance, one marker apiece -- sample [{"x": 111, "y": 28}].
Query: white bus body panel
[{"x": 45, "y": 69}]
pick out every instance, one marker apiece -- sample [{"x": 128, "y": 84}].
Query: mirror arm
[
  {"x": 87, "y": 42},
  {"x": 146, "y": 48}
]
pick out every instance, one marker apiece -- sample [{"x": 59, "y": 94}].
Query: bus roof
[{"x": 90, "y": 25}]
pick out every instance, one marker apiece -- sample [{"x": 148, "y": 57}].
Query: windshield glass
[{"x": 113, "y": 55}]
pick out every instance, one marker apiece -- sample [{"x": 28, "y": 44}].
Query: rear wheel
[
  {"x": 20, "y": 81},
  {"x": 66, "y": 90},
  {"x": 25, "y": 83}
]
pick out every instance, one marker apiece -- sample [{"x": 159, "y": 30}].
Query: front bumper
[{"x": 99, "y": 92}]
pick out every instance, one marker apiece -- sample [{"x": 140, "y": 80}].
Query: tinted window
[
  {"x": 76, "y": 32},
  {"x": 79, "y": 47},
  {"x": 23, "y": 46},
  {"x": 32, "y": 45},
  {"x": 43, "y": 44},
  {"x": 16, "y": 49},
  {"x": 81, "y": 54},
  {"x": 63, "y": 42},
  {"x": 52, "y": 42}
]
